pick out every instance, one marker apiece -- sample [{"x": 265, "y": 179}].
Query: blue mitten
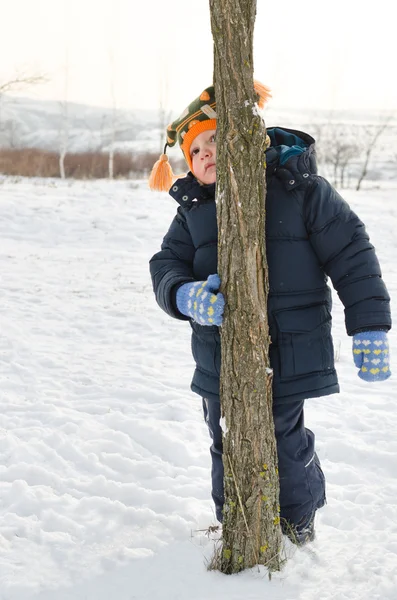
[
  {"x": 200, "y": 301},
  {"x": 371, "y": 355}
]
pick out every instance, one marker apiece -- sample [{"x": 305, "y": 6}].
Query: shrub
[{"x": 33, "y": 162}]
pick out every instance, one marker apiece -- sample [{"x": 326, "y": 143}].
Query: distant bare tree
[
  {"x": 114, "y": 116},
  {"x": 371, "y": 138},
  {"x": 164, "y": 114},
  {"x": 63, "y": 138},
  {"x": 336, "y": 150},
  {"x": 345, "y": 151},
  {"x": 64, "y": 125},
  {"x": 342, "y": 156}
]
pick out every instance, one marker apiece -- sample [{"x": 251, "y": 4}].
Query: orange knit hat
[{"x": 199, "y": 116}]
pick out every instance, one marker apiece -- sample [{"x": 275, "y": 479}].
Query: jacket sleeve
[
  {"x": 343, "y": 248},
  {"x": 173, "y": 265}
]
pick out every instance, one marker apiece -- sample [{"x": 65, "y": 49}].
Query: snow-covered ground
[{"x": 104, "y": 460}]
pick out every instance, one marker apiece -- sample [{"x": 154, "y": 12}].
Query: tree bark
[{"x": 251, "y": 527}]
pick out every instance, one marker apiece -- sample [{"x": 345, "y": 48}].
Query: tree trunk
[
  {"x": 111, "y": 161},
  {"x": 62, "y": 155},
  {"x": 251, "y": 527},
  {"x": 64, "y": 132}
]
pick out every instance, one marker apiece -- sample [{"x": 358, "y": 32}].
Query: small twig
[
  {"x": 209, "y": 530},
  {"x": 238, "y": 494},
  {"x": 243, "y": 513}
]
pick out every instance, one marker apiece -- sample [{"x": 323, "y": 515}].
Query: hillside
[{"x": 26, "y": 122}]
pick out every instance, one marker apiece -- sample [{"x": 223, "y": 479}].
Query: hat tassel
[
  {"x": 161, "y": 177},
  {"x": 263, "y": 92}
]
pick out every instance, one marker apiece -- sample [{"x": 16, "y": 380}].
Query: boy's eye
[
  {"x": 213, "y": 137},
  {"x": 194, "y": 151}
]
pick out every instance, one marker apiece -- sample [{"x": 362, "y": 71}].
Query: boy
[{"x": 311, "y": 234}]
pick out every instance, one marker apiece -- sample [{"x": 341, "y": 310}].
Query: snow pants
[{"x": 302, "y": 483}]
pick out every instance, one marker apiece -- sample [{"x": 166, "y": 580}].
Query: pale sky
[{"x": 313, "y": 54}]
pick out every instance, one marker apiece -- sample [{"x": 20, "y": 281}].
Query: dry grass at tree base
[{"x": 33, "y": 162}]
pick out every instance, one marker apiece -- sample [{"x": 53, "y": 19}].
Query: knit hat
[{"x": 199, "y": 116}]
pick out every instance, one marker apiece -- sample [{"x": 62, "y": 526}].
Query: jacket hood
[
  {"x": 291, "y": 155},
  {"x": 289, "y": 137}
]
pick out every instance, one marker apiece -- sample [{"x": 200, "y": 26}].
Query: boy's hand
[
  {"x": 371, "y": 355},
  {"x": 201, "y": 301}
]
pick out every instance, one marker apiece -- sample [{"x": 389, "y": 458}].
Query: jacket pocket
[
  {"x": 304, "y": 340},
  {"x": 205, "y": 348}
]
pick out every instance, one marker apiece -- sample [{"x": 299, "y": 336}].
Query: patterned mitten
[
  {"x": 371, "y": 355},
  {"x": 200, "y": 301}
]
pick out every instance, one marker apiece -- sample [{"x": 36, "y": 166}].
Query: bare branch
[{"x": 21, "y": 81}]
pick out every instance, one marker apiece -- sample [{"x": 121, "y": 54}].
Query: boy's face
[{"x": 203, "y": 155}]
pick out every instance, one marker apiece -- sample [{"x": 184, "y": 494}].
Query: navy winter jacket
[{"x": 311, "y": 233}]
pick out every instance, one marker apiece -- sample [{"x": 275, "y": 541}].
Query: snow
[
  {"x": 105, "y": 466},
  {"x": 222, "y": 423}
]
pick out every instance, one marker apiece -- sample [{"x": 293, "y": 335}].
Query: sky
[{"x": 338, "y": 55}]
